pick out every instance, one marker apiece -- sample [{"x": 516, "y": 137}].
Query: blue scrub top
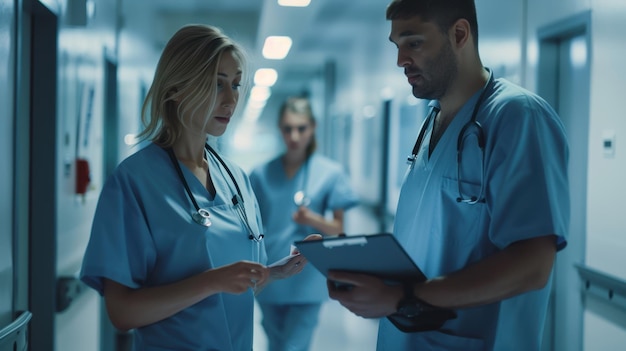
[
  {"x": 143, "y": 235},
  {"x": 329, "y": 188},
  {"x": 526, "y": 196}
]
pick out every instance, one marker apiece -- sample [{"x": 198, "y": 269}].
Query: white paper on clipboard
[
  {"x": 377, "y": 254},
  {"x": 283, "y": 260}
]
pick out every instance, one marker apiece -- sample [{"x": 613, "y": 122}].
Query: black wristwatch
[
  {"x": 410, "y": 305},
  {"x": 415, "y": 315}
]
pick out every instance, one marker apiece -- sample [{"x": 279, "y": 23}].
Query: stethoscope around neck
[
  {"x": 480, "y": 136},
  {"x": 300, "y": 198},
  {"x": 202, "y": 216}
]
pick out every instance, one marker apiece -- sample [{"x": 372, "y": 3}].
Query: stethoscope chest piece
[
  {"x": 202, "y": 217},
  {"x": 300, "y": 199}
]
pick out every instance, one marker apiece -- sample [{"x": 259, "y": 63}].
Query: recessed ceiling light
[
  {"x": 294, "y": 3},
  {"x": 265, "y": 77},
  {"x": 276, "y": 47},
  {"x": 259, "y": 93}
]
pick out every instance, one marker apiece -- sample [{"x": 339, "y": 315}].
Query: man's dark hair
[{"x": 442, "y": 12}]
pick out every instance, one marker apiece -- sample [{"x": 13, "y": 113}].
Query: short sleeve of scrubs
[
  {"x": 120, "y": 247},
  {"x": 529, "y": 196}
]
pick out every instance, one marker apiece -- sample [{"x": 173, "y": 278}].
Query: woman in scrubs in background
[
  {"x": 295, "y": 191},
  {"x": 183, "y": 283}
]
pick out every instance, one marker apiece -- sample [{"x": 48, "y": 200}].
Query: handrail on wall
[
  {"x": 601, "y": 285},
  {"x": 13, "y": 336}
]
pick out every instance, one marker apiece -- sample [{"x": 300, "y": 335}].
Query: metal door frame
[{"x": 564, "y": 324}]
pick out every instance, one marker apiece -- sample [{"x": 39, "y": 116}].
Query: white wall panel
[
  {"x": 606, "y": 238},
  {"x": 601, "y": 334},
  {"x": 606, "y": 233}
]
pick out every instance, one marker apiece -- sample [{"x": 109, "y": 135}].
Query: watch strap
[{"x": 423, "y": 316}]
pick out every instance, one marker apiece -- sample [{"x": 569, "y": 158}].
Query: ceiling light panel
[
  {"x": 276, "y": 47},
  {"x": 265, "y": 77},
  {"x": 259, "y": 93},
  {"x": 294, "y": 3}
]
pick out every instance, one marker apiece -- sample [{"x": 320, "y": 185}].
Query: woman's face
[
  {"x": 228, "y": 83},
  {"x": 297, "y": 130}
]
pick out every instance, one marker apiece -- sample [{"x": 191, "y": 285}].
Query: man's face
[{"x": 426, "y": 55}]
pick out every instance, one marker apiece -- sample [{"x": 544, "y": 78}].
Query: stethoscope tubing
[
  {"x": 237, "y": 199},
  {"x": 300, "y": 197},
  {"x": 459, "y": 144}
]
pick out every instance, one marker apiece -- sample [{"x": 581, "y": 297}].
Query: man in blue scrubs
[{"x": 485, "y": 226}]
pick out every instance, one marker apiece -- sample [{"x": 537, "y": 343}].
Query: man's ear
[{"x": 461, "y": 30}]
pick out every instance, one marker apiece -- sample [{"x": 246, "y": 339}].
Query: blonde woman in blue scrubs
[
  {"x": 295, "y": 191},
  {"x": 176, "y": 245}
]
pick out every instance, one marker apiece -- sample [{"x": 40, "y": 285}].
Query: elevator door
[{"x": 574, "y": 110}]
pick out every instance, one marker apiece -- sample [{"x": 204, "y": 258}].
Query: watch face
[
  {"x": 414, "y": 315},
  {"x": 410, "y": 308}
]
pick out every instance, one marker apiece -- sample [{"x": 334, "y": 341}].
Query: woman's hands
[
  {"x": 293, "y": 266},
  {"x": 237, "y": 277},
  {"x": 130, "y": 308},
  {"x": 304, "y": 216}
]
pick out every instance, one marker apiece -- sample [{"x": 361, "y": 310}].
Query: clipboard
[{"x": 376, "y": 254}]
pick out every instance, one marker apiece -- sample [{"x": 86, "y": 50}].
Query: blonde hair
[{"x": 185, "y": 79}]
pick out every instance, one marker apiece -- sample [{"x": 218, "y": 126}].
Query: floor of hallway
[{"x": 338, "y": 328}]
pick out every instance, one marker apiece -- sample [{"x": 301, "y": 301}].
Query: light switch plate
[{"x": 608, "y": 143}]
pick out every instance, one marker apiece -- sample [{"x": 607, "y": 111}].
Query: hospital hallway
[
  {"x": 74, "y": 76},
  {"x": 338, "y": 328}
]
